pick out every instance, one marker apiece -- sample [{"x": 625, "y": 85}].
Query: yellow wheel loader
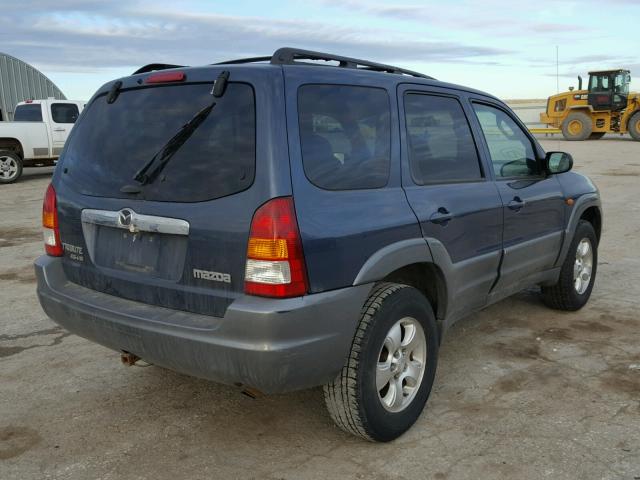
[{"x": 605, "y": 107}]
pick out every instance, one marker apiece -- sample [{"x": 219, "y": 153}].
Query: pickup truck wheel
[
  {"x": 578, "y": 272},
  {"x": 384, "y": 385},
  {"x": 10, "y": 167},
  {"x": 634, "y": 126},
  {"x": 577, "y": 126}
]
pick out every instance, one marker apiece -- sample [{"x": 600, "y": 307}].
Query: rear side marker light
[
  {"x": 50, "y": 226},
  {"x": 275, "y": 261},
  {"x": 166, "y": 77}
]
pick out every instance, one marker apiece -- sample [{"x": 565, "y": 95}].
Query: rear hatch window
[{"x": 111, "y": 143}]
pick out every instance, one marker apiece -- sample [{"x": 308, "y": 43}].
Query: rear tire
[
  {"x": 379, "y": 394},
  {"x": 596, "y": 135},
  {"x": 574, "y": 288},
  {"x": 10, "y": 166},
  {"x": 634, "y": 126},
  {"x": 577, "y": 126}
]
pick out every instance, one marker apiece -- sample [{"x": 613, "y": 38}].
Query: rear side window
[
  {"x": 113, "y": 142},
  {"x": 64, "y": 112},
  {"x": 28, "y": 113},
  {"x": 345, "y": 136},
  {"x": 441, "y": 147}
]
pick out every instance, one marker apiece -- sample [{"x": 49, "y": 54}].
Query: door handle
[
  {"x": 516, "y": 204},
  {"x": 441, "y": 216},
  {"x": 59, "y": 129}
]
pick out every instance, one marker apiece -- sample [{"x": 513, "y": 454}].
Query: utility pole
[{"x": 557, "y": 71}]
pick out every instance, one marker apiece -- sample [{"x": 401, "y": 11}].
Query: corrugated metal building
[{"x": 19, "y": 81}]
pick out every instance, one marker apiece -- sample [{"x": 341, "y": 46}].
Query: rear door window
[
  {"x": 345, "y": 136},
  {"x": 113, "y": 142},
  {"x": 28, "y": 113},
  {"x": 441, "y": 146},
  {"x": 64, "y": 112}
]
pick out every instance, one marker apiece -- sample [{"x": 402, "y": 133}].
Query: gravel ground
[{"x": 521, "y": 391}]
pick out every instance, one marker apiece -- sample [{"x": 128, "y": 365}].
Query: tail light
[
  {"x": 50, "y": 228},
  {"x": 275, "y": 261}
]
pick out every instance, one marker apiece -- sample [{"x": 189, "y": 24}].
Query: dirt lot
[{"x": 521, "y": 391}]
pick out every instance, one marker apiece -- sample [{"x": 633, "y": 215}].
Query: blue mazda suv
[{"x": 305, "y": 219}]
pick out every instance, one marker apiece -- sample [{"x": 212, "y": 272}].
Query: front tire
[
  {"x": 386, "y": 381},
  {"x": 10, "y": 166},
  {"x": 577, "y": 126},
  {"x": 634, "y": 126},
  {"x": 578, "y": 272}
]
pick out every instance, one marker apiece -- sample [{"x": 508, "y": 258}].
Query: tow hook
[{"x": 128, "y": 359}]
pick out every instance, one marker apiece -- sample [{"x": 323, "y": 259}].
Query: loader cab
[{"x": 609, "y": 89}]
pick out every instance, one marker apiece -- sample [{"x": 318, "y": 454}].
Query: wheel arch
[
  {"x": 593, "y": 215},
  {"x": 13, "y": 145},
  {"x": 426, "y": 277},
  {"x": 587, "y": 207},
  {"x": 409, "y": 262}
]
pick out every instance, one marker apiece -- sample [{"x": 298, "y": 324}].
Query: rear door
[
  {"x": 63, "y": 116},
  {"x": 179, "y": 241},
  {"x": 533, "y": 202},
  {"x": 345, "y": 170},
  {"x": 457, "y": 204}
]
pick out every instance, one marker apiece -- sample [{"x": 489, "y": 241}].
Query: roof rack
[
  {"x": 291, "y": 56},
  {"x": 155, "y": 66}
]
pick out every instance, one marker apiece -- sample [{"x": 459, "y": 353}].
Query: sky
[{"x": 507, "y": 48}]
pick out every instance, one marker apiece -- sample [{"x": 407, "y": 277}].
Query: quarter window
[
  {"x": 345, "y": 136},
  {"x": 64, "y": 112},
  {"x": 440, "y": 143},
  {"x": 512, "y": 153}
]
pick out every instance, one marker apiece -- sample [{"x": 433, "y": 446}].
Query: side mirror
[{"x": 558, "y": 162}]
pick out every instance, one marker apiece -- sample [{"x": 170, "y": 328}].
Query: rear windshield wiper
[{"x": 150, "y": 171}]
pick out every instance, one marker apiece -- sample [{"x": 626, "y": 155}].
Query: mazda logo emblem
[{"x": 125, "y": 217}]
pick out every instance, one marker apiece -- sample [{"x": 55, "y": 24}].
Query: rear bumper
[{"x": 270, "y": 345}]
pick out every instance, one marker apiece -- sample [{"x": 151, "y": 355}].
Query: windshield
[{"x": 112, "y": 142}]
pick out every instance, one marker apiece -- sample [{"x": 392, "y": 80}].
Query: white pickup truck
[{"x": 36, "y": 136}]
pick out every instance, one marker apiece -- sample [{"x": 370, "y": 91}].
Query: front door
[
  {"x": 533, "y": 203},
  {"x": 63, "y": 116},
  {"x": 457, "y": 205}
]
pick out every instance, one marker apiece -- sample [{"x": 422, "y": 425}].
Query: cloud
[
  {"x": 90, "y": 36},
  {"x": 487, "y": 16}
]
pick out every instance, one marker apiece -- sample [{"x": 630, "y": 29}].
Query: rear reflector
[
  {"x": 50, "y": 227},
  {"x": 275, "y": 261},
  {"x": 166, "y": 77}
]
